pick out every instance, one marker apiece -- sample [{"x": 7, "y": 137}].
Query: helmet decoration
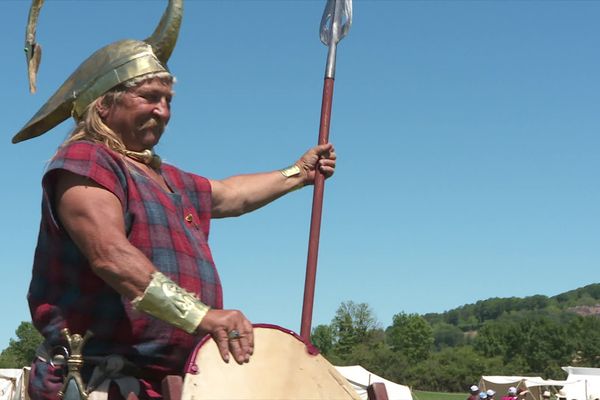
[{"x": 106, "y": 68}]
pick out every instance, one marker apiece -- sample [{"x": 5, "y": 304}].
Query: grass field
[{"x": 420, "y": 395}]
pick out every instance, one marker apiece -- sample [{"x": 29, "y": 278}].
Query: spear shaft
[{"x": 332, "y": 31}]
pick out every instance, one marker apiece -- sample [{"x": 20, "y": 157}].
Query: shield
[{"x": 282, "y": 367}]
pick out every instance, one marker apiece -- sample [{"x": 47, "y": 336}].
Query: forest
[{"x": 450, "y": 351}]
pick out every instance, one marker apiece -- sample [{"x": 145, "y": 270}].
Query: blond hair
[{"x": 91, "y": 126}]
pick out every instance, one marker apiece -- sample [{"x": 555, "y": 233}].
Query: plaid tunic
[{"x": 171, "y": 229}]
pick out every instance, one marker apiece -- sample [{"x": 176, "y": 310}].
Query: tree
[
  {"x": 587, "y": 338},
  {"x": 411, "y": 335},
  {"x": 21, "y": 352},
  {"x": 322, "y": 338},
  {"x": 452, "y": 370},
  {"x": 541, "y": 342},
  {"x": 353, "y": 324},
  {"x": 446, "y": 335}
]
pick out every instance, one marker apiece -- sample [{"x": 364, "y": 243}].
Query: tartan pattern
[{"x": 64, "y": 292}]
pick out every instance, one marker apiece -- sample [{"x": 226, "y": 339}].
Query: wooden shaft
[{"x": 315, "y": 221}]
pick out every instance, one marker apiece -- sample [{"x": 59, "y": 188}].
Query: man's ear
[{"x": 102, "y": 109}]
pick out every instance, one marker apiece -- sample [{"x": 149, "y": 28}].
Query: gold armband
[
  {"x": 290, "y": 171},
  {"x": 165, "y": 300}
]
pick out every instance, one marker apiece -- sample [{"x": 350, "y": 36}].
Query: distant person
[
  {"x": 561, "y": 394},
  {"x": 490, "y": 394},
  {"x": 474, "y": 393},
  {"x": 511, "y": 394},
  {"x": 523, "y": 393},
  {"x": 483, "y": 395},
  {"x": 546, "y": 395}
]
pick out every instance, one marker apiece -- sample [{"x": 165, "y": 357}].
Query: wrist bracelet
[
  {"x": 167, "y": 301},
  {"x": 290, "y": 171}
]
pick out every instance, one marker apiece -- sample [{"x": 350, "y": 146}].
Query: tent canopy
[
  {"x": 360, "y": 379},
  {"x": 13, "y": 383},
  {"x": 500, "y": 384},
  {"x": 582, "y": 383}
]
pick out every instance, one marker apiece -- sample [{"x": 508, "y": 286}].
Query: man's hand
[
  {"x": 232, "y": 332},
  {"x": 240, "y": 194},
  {"x": 323, "y": 157}
]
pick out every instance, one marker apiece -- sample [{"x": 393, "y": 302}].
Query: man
[
  {"x": 473, "y": 393},
  {"x": 122, "y": 249},
  {"x": 490, "y": 394},
  {"x": 511, "y": 394}
]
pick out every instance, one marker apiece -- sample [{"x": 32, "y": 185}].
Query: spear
[{"x": 335, "y": 24}]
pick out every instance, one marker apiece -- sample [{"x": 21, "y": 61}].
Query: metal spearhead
[
  {"x": 335, "y": 24},
  {"x": 33, "y": 51},
  {"x": 336, "y": 21}
]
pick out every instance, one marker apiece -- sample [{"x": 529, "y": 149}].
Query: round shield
[{"x": 282, "y": 367}]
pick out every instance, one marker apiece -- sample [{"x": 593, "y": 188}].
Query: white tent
[
  {"x": 13, "y": 384},
  {"x": 500, "y": 385},
  {"x": 535, "y": 385},
  {"x": 361, "y": 378},
  {"x": 582, "y": 383}
]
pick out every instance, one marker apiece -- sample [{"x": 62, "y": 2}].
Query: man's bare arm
[
  {"x": 93, "y": 218},
  {"x": 240, "y": 194}
]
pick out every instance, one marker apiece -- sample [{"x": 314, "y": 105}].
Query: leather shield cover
[{"x": 282, "y": 367}]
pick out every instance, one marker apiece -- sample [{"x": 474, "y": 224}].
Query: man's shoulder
[
  {"x": 85, "y": 158},
  {"x": 82, "y": 149}
]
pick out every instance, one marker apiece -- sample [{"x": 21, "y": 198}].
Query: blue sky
[{"x": 467, "y": 136}]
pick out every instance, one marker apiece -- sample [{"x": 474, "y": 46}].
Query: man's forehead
[{"x": 152, "y": 84}]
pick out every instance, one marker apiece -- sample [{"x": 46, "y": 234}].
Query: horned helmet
[{"x": 106, "y": 68}]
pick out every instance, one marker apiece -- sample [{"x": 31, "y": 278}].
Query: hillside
[{"x": 584, "y": 301}]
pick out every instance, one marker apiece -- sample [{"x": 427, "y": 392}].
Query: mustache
[{"x": 153, "y": 124}]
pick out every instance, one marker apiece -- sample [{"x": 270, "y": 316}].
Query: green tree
[
  {"x": 542, "y": 343},
  {"x": 587, "y": 341},
  {"x": 21, "y": 352},
  {"x": 452, "y": 370},
  {"x": 377, "y": 357},
  {"x": 353, "y": 324},
  {"x": 411, "y": 335},
  {"x": 446, "y": 335},
  {"x": 322, "y": 338}
]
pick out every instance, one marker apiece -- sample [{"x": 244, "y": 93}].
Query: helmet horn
[{"x": 165, "y": 35}]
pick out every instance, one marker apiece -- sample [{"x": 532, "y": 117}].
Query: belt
[{"x": 112, "y": 368}]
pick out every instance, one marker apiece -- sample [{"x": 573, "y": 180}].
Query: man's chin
[{"x": 151, "y": 139}]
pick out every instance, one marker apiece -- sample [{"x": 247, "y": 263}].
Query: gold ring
[{"x": 234, "y": 334}]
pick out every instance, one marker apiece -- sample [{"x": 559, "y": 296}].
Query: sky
[{"x": 466, "y": 133}]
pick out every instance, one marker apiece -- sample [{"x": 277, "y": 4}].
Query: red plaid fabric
[{"x": 171, "y": 229}]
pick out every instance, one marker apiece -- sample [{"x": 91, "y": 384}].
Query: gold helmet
[{"x": 106, "y": 68}]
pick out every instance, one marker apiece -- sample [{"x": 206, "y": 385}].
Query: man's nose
[{"x": 163, "y": 109}]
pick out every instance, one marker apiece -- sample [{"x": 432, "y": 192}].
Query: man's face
[{"x": 140, "y": 115}]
